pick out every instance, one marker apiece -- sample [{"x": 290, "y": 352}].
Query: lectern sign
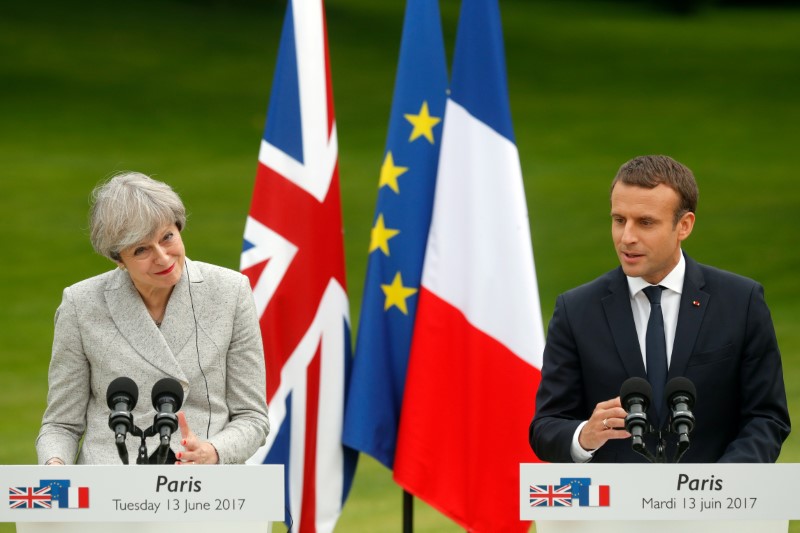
[
  {"x": 142, "y": 493},
  {"x": 659, "y": 491}
]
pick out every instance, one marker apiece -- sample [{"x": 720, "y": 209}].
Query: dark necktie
[{"x": 656, "y": 348}]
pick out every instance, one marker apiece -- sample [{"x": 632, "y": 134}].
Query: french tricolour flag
[
  {"x": 78, "y": 497},
  {"x": 599, "y": 496},
  {"x": 478, "y": 336}
]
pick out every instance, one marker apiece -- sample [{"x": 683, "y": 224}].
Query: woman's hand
[{"x": 196, "y": 451}]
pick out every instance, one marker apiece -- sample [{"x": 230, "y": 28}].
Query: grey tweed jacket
[{"x": 209, "y": 341}]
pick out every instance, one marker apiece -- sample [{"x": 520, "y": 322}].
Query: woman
[{"x": 158, "y": 315}]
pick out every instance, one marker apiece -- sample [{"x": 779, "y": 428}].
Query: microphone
[
  {"x": 680, "y": 394},
  {"x": 121, "y": 397},
  {"x": 635, "y": 394},
  {"x": 167, "y": 399}
]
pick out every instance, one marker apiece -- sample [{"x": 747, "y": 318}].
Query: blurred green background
[{"x": 178, "y": 89}]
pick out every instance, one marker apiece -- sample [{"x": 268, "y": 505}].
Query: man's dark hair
[{"x": 649, "y": 171}]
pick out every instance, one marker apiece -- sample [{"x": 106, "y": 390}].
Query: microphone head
[
  {"x": 680, "y": 386},
  {"x": 167, "y": 388},
  {"x": 635, "y": 388},
  {"x": 122, "y": 386}
]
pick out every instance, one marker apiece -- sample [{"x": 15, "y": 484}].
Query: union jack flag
[
  {"x": 29, "y": 497},
  {"x": 551, "y": 496},
  {"x": 294, "y": 256}
]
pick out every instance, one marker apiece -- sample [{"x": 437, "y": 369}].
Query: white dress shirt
[{"x": 640, "y": 305}]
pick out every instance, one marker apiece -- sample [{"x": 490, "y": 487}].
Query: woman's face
[{"x": 157, "y": 263}]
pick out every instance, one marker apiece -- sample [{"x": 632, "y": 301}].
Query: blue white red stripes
[{"x": 478, "y": 337}]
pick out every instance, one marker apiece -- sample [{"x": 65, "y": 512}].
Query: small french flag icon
[
  {"x": 599, "y": 496},
  {"x": 78, "y": 497}
]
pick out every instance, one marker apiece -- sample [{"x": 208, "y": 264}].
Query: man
[{"x": 710, "y": 326}]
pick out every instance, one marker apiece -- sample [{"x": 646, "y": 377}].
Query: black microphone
[
  {"x": 635, "y": 394},
  {"x": 680, "y": 394},
  {"x": 167, "y": 400},
  {"x": 121, "y": 397}
]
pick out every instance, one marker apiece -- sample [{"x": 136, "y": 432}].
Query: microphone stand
[
  {"x": 639, "y": 421},
  {"x": 639, "y": 447},
  {"x": 141, "y": 459},
  {"x": 683, "y": 446},
  {"x": 682, "y": 424},
  {"x": 637, "y": 443},
  {"x": 661, "y": 450},
  {"x": 163, "y": 450},
  {"x": 161, "y": 453},
  {"x": 118, "y": 418},
  {"x": 122, "y": 449},
  {"x": 164, "y": 421}
]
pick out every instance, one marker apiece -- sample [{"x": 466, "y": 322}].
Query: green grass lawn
[{"x": 179, "y": 89}]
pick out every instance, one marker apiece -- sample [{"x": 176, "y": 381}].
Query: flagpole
[{"x": 408, "y": 512}]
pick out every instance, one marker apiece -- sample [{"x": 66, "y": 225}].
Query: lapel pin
[{"x": 696, "y": 303}]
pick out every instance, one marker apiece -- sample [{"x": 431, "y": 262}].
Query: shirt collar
[{"x": 673, "y": 281}]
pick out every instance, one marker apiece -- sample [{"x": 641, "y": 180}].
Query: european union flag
[
  {"x": 399, "y": 236},
  {"x": 580, "y": 488},
  {"x": 59, "y": 491}
]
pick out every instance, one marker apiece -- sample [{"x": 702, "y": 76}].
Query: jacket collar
[
  {"x": 617, "y": 306},
  {"x": 693, "y": 304},
  {"x": 161, "y": 347}
]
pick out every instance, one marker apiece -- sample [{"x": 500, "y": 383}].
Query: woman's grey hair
[{"x": 130, "y": 208}]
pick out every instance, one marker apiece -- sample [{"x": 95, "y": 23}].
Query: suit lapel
[
  {"x": 694, "y": 302},
  {"x": 134, "y": 323},
  {"x": 617, "y": 306},
  {"x": 178, "y": 326}
]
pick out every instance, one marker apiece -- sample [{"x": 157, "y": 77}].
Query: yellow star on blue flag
[{"x": 389, "y": 305}]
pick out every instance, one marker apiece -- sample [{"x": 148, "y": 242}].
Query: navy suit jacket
[{"x": 725, "y": 344}]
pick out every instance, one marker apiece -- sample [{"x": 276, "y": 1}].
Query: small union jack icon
[{"x": 29, "y": 498}]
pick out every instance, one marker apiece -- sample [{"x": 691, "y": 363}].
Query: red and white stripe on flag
[
  {"x": 294, "y": 256},
  {"x": 478, "y": 337},
  {"x": 599, "y": 496},
  {"x": 78, "y": 497}
]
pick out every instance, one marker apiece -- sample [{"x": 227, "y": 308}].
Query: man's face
[{"x": 647, "y": 240}]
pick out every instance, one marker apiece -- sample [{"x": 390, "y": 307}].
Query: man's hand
[
  {"x": 607, "y": 422},
  {"x": 197, "y": 452}
]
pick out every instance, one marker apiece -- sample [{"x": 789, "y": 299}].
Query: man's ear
[{"x": 685, "y": 225}]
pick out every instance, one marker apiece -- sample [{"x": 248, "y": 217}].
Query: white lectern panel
[
  {"x": 200, "y": 494},
  {"x": 571, "y": 498}
]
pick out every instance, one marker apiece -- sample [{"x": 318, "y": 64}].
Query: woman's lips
[{"x": 167, "y": 271}]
